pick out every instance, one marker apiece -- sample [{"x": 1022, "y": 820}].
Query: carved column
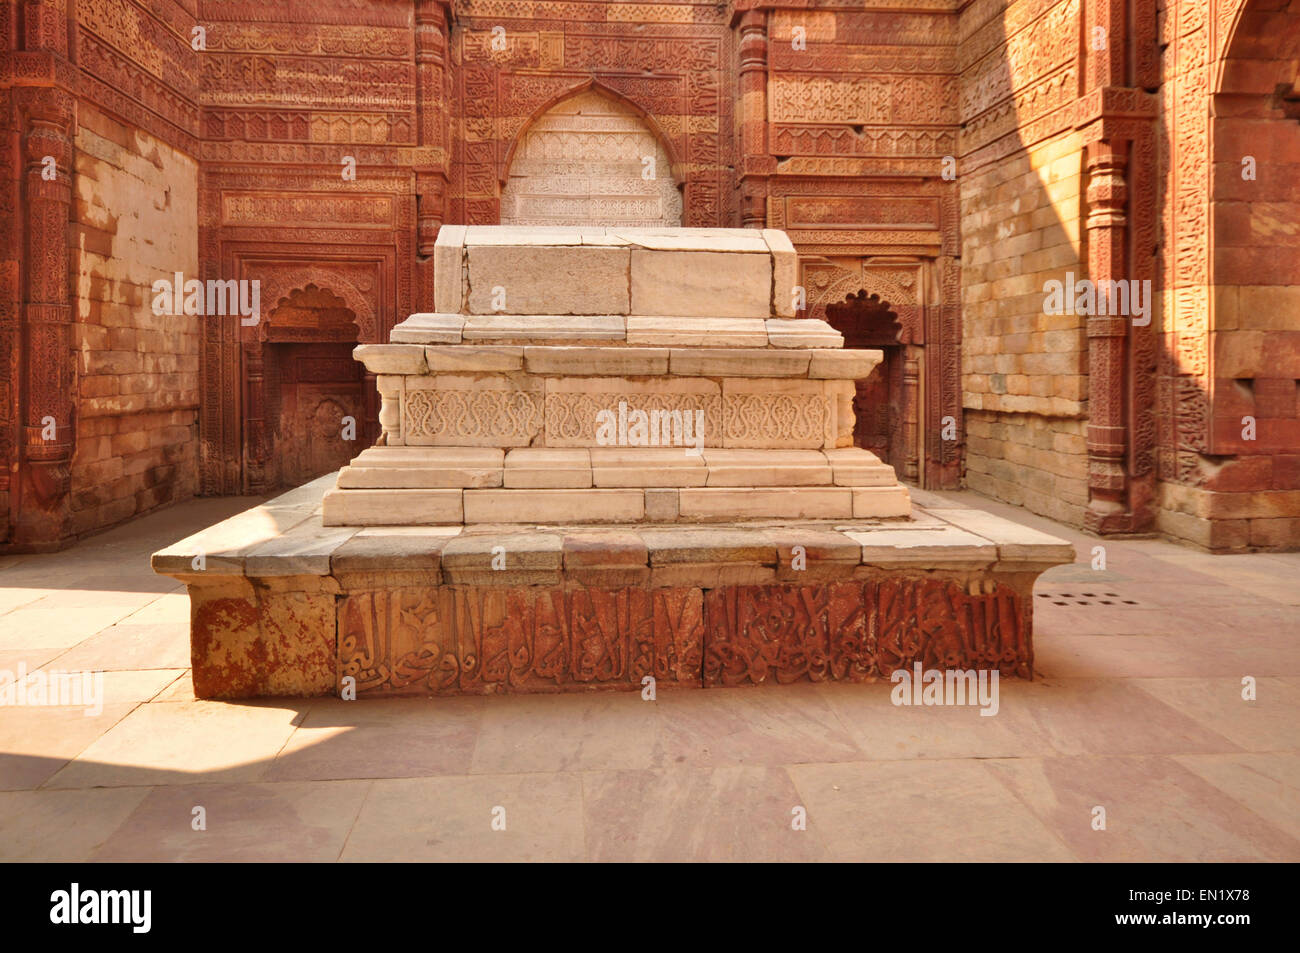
[
  {"x": 431, "y": 78},
  {"x": 256, "y": 434},
  {"x": 1107, "y": 224},
  {"x": 48, "y": 122},
  {"x": 910, "y": 411},
  {"x": 756, "y": 165}
]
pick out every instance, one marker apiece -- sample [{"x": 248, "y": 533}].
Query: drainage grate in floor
[{"x": 1090, "y": 597}]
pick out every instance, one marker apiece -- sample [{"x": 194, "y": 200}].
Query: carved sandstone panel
[
  {"x": 477, "y": 418},
  {"x": 590, "y": 161},
  {"x": 780, "y": 634},
  {"x": 459, "y": 639}
]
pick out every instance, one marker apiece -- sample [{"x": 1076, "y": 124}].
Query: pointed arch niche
[
  {"x": 880, "y": 307},
  {"x": 592, "y": 158}
]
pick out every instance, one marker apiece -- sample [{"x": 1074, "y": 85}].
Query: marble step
[
  {"x": 609, "y": 467},
  {"x": 615, "y": 329},
  {"x": 429, "y": 507},
  {"x": 596, "y": 270},
  {"x": 593, "y": 360}
]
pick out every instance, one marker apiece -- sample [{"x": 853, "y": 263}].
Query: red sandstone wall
[
  {"x": 1025, "y": 373},
  {"x": 1231, "y": 311},
  {"x": 134, "y": 220},
  {"x": 862, "y": 108}
]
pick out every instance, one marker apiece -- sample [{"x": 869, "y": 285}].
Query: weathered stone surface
[
  {"x": 553, "y": 506},
  {"x": 1015, "y": 543},
  {"x": 722, "y": 503},
  {"x": 707, "y": 284},
  {"x": 503, "y": 559},
  {"x": 785, "y": 271},
  {"x": 389, "y": 549},
  {"x": 853, "y": 466},
  {"x": 786, "y": 332},
  {"x": 547, "y": 468},
  {"x": 378, "y": 507},
  {"x": 843, "y": 364},
  {"x": 937, "y": 547},
  {"x": 479, "y": 359},
  {"x": 448, "y": 269},
  {"x": 696, "y": 332},
  {"x": 881, "y": 501},
  {"x": 693, "y": 239},
  {"x": 737, "y": 362},
  {"x": 252, "y": 641},
  {"x": 604, "y": 361},
  {"x": 652, "y": 467},
  {"x": 767, "y": 467},
  {"x": 439, "y": 328},
  {"x": 661, "y": 505},
  {"x": 544, "y": 327},
  {"x": 544, "y": 279},
  {"x": 391, "y": 358}
]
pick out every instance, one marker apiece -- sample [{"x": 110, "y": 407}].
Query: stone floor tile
[
  {"x": 185, "y": 743},
  {"x": 168, "y": 608},
  {"x": 1271, "y": 722},
  {"x": 1108, "y": 717},
  {"x": 128, "y": 646},
  {"x": 552, "y": 733},
  {"x": 382, "y": 738},
  {"x": 181, "y": 689},
  {"x": 60, "y": 628},
  {"x": 690, "y": 813},
  {"x": 920, "y": 811},
  {"x": 1126, "y": 656},
  {"x": 1155, "y": 810},
  {"x": 1267, "y": 784},
  {"x": 786, "y": 724},
  {"x": 36, "y": 742},
  {"x": 258, "y": 823},
  {"x": 888, "y": 732},
  {"x": 451, "y": 819},
  {"x": 62, "y": 826}
]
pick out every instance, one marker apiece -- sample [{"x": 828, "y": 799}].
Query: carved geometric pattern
[
  {"x": 572, "y": 417},
  {"x": 767, "y": 419},
  {"x": 590, "y": 160},
  {"x": 448, "y": 414}
]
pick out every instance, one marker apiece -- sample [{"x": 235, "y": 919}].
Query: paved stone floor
[{"x": 1137, "y": 709}]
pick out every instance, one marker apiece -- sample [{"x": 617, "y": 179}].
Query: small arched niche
[{"x": 590, "y": 160}]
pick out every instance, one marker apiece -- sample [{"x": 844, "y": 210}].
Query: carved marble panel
[{"x": 590, "y": 160}]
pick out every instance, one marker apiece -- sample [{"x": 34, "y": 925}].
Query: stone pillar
[
  {"x": 911, "y": 357},
  {"x": 756, "y": 165},
  {"x": 431, "y": 80},
  {"x": 1107, "y": 224},
  {"x": 255, "y": 436},
  {"x": 48, "y": 123}
]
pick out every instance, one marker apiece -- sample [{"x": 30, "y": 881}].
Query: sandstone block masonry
[{"x": 137, "y": 373}]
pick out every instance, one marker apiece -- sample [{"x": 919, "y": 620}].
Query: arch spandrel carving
[
  {"x": 279, "y": 286},
  {"x": 829, "y": 283},
  {"x": 590, "y": 159}
]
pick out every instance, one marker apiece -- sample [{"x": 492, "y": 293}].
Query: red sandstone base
[
  {"x": 427, "y": 640},
  {"x": 283, "y": 606}
]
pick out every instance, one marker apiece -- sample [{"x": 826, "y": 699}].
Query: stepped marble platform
[
  {"x": 287, "y": 606},
  {"x": 606, "y": 455},
  {"x": 676, "y": 385}
]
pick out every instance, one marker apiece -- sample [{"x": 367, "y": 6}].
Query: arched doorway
[
  {"x": 309, "y": 403},
  {"x": 880, "y": 405},
  {"x": 590, "y": 159}
]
